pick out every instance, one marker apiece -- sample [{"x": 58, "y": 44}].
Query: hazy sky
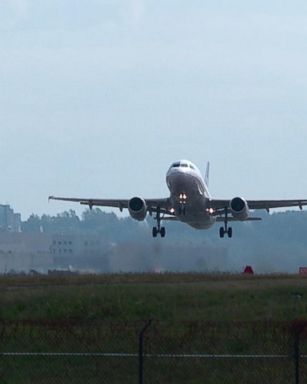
[{"x": 98, "y": 97}]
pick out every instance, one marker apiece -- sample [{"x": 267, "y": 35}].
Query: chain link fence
[{"x": 153, "y": 352}]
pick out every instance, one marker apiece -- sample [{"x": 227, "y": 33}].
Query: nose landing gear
[
  {"x": 182, "y": 203},
  {"x": 181, "y": 209}
]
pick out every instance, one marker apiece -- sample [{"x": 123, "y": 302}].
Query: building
[
  {"x": 9, "y": 220},
  {"x": 41, "y": 252},
  {"x": 23, "y": 252},
  {"x": 80, "y": 252}
]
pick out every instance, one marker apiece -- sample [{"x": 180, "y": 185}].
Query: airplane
[{"x": 189, "y": 202}]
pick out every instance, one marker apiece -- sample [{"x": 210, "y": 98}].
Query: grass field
[
  {"x": 191, "y": 313},
  {"x": 163, "y": 297}
]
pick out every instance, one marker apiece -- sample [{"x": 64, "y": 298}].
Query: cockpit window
[
  {"x": 176, "y": 165},
  {"x": 179, "y": 164}
]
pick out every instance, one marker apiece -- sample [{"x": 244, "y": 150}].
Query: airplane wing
[
  {"x": 261, "y": 204},
  {"x": 151, "y": 204}
]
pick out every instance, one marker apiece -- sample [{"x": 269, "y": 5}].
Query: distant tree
[
  {"x": 33, "y": 224},
  {"x": 67, "y": 221},
  {"x": 98, "y": 220}
]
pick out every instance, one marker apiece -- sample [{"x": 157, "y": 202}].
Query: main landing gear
[
  {"x": 225, "y": 230},
  {"x": 158, "y": 228}
]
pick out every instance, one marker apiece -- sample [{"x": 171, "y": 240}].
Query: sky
[{"x": 99, "y": 97}]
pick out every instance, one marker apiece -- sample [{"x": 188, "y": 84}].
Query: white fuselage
[{"x": 189, "y": 195}]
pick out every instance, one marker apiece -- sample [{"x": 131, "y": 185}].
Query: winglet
[{"x": 207, "y": 174}]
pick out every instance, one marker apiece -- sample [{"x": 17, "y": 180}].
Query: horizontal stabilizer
[
  {"x": 219, "y": 219},
  {"x": 170, "y": 218}
]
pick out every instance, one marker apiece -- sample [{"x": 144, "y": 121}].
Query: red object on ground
[{"x": 248, "y": 270}]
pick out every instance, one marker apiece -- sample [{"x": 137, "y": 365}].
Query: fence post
[
  {"x": 297, "y": 357},
  {"x": 298, "y": 327},
  {"x": 141, "y": 351}
]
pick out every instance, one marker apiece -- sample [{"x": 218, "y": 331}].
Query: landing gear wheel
[
  {"x": 225, "y": 230},
  {"x": 162, "y": 232},
  {"x": 158, "y": 228}
]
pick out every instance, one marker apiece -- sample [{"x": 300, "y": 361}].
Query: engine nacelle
[
  {"x": 239, "y": 208},
  {"x": 137, "y": 208}
]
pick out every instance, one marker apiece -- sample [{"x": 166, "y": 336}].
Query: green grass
[{"x": 167, "y": 297}]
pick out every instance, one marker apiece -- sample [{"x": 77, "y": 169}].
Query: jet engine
[
  {"x": 137, "y": 208},
  {"x": 239, "y": 208}
]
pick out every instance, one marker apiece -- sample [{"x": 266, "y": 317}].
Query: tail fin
[{"x": 207, "y": 174}]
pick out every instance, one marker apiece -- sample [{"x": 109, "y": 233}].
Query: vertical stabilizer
[{"x": 207, "y": 174}]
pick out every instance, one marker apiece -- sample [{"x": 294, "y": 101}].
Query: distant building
[
  {"x": 80, "y": 252},
  {"x": 22, "y": 252},
  {"x": 40, "y": 252},
  {"x": 9, "y": 220}
]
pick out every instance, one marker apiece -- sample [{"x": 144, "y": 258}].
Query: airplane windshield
[
  {"x": 176, "y": 165},
  {"x": 183, "y": 165}
]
